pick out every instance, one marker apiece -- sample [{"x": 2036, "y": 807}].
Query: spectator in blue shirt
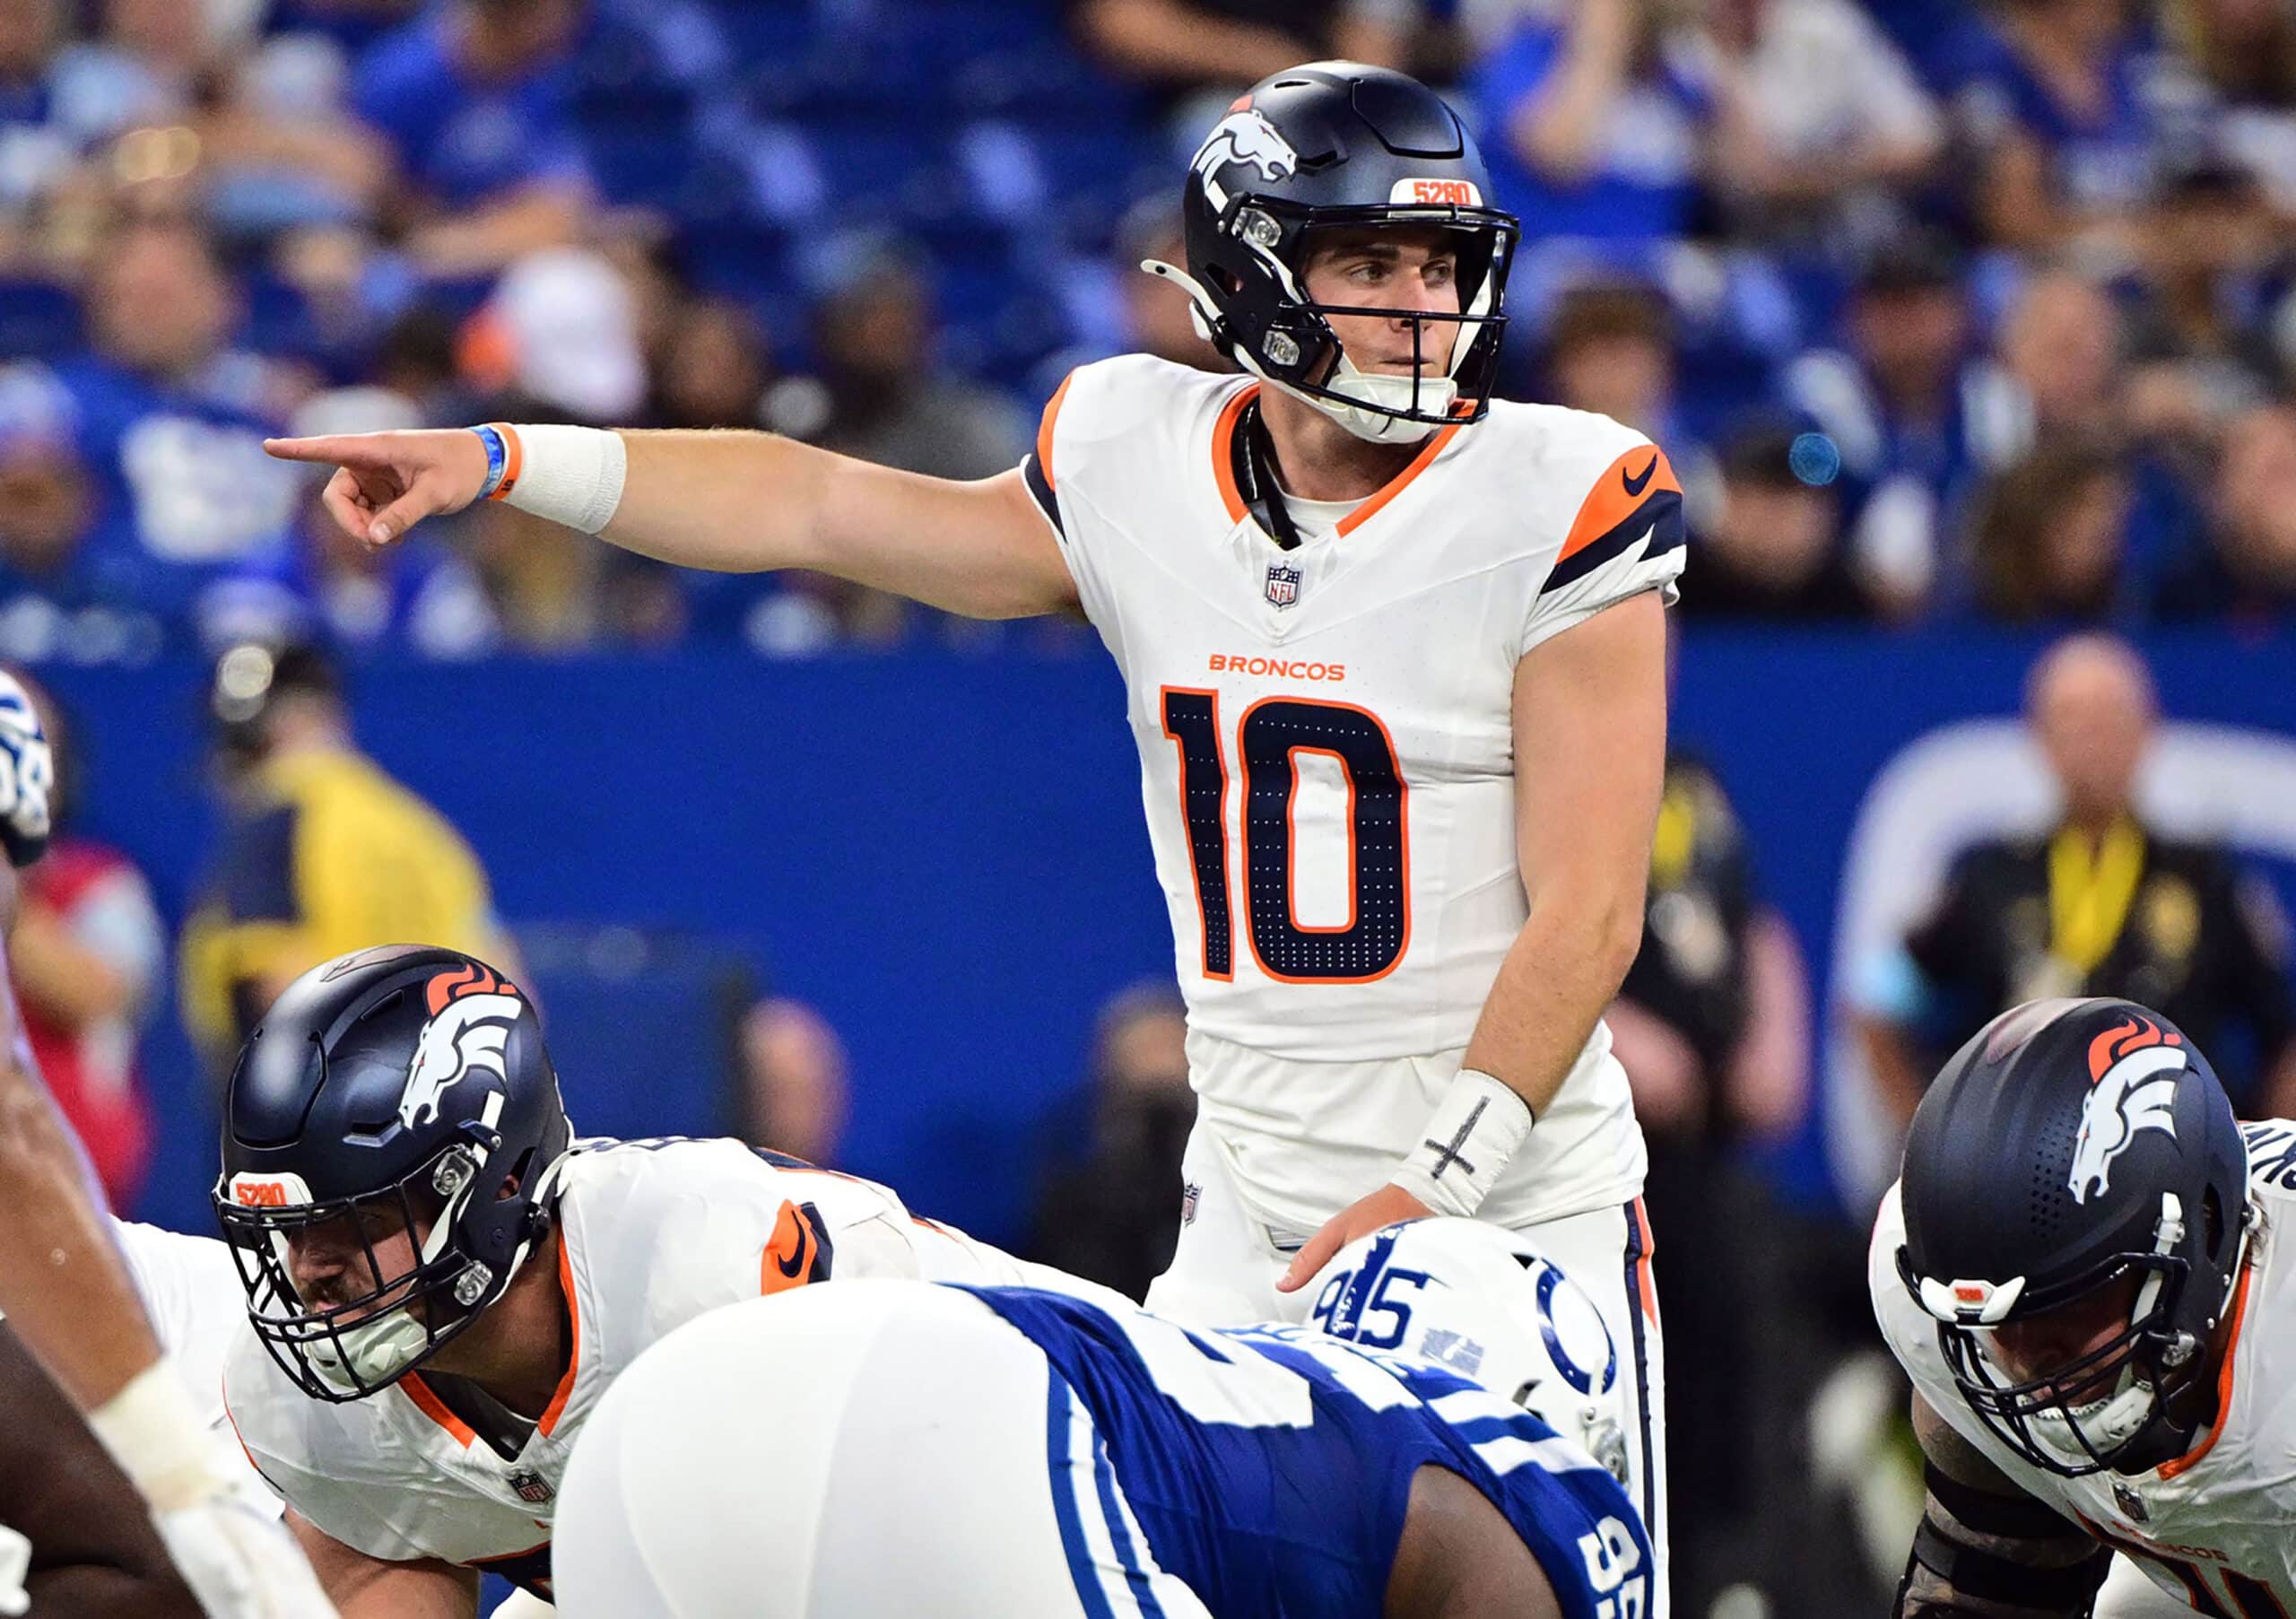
[
  {"x": 1594, "y": 122},
  {"x": 2062, "y": 107},
  {"x": 475, "y": 100},
  {"x": 1911, "y": 408},
  {"x": 182, "y": 490}
]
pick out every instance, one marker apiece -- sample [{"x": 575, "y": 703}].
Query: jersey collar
[{"x": 1224, "y": 464}]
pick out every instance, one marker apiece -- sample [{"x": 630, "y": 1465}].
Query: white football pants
[
  {"x": 857, "y": 1451},
  {"x": 1224, "y": 1271}
]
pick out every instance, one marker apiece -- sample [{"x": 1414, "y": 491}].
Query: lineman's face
[
  {"x": 2034, "y": 1348},
  {"x": 1409, "y": 269},
  {"x": 345, "y": 1260}
]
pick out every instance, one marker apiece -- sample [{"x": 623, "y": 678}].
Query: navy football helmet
[
  {"x": 403, "y": 1087},
  {"x": 1342, "y": 144},
  {"x": 2078, "y": 1157}
]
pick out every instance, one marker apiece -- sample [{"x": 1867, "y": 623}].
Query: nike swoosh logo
[
  {"x": 796, "y": 1264},
  {"x": 1634, "y": 485}
]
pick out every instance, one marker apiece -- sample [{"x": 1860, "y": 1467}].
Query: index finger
[
  {"x": 1310, "y": 1258},
  {"x": 334, "y": 450}
]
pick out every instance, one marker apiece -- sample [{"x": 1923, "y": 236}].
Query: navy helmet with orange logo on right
[
  {"x": 400, "y": 1088},
  {"x": 1334, "y": 144},
  {"x": 2073, "y": 1147}
]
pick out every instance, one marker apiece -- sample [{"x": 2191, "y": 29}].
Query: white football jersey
[
  {"x": 651, "y": 1234},
  {"x": 191, "y": 1289},
  {"x": 2211, "y": 1527},
  {"x": 1326, "y": 749}
]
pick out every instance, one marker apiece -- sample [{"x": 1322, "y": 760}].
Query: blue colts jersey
[{"x": 1269, "y": 1467}]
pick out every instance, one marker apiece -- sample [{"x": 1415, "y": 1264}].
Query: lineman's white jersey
[
  {"x": 649, "y": 1236},
  {"x": 1327, "y": 756},
  {"x": 2211, "y": 1526},
  {"x": 191, "y": 1289}
]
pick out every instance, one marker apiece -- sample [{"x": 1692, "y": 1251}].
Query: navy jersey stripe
[
  {"x": 1661, "y": 516},
  {"x": 1040, "y": 491},
  {"x": 1650, "y": 1503}
]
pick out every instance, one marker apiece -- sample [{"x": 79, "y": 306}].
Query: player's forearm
[
  {"x": 63, "y": 1284},
  {"x": 738, "y": 502},
  {"x": 1164, "y": 39},
  {"x": 1565, "y": 966}
]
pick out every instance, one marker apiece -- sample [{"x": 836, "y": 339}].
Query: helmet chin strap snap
[{"x": 1368, "y": 406}]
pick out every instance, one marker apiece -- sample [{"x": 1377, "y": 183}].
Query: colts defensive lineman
[
  {"x": 445, "y": 1281},
  {"x": 2086, "y": 1272},
  {"x": 886, "y": 1449},
  {"x": 1396, "y": 665}
]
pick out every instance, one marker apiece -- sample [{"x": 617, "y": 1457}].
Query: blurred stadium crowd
[
  {"x": 1946, "y": 310},
  {"x": 1949, "y": 313}
]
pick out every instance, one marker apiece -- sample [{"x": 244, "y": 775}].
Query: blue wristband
[{"x": 497, "y": 459}]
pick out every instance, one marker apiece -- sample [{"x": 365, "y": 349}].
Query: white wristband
[
  {"x": 157, "y": 1440},
  {"x": 1474, "y": 1136},
  {"x": 570, "y": 475}
]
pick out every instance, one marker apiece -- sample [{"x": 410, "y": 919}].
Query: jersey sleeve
[
  {"x": 190, "y": 1288},
  {"x": 1054, "y": 455},
  {"x": 1108, "y": 441},
  {"x": 1626, "y": 536},
  {"x": 693, "y": 1226}
]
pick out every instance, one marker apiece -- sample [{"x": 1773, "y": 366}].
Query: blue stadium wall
[{"x": 945, "y": 854}]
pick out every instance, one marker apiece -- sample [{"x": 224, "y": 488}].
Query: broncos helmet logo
[
  {"x": 471, "y": 1012},
  {"x": 2133, "y": 1072},
  {"x": 1247, "y": 137}
]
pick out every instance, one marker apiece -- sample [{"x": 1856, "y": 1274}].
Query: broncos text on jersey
[{"x": 1327, "y": 752}]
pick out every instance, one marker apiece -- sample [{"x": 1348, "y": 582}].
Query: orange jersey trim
[
  {"x": 1645, "y": 1286},
  {"x": 1395, "y": 485},
  {"x": 1044, "y": 431},
  {"x": 1223, "y": 464},
  {"x": 1223, "y": 452},
  {"x": 1625, "y": 484},
  {"x": 574, "y": 1330},
  {"x": 435, "y": 1408},
  {"x": 2193, "y": 1458}
]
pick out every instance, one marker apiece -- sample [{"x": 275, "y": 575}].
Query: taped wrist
[
  {"x": 1475, "y": 1133},
  {"x": 1984, "y": 1552},
  {"x": 157, "y": 1440},
  {"x": 570, "y": 475}
]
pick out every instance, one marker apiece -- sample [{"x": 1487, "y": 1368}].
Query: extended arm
[{"x": 733, "y": 502}]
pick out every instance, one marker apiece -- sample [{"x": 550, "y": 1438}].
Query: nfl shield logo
[
  {"x": 1189, "y": 1197},
  {"x": 1283, "y": 583},
  {"x": 2131, "y": 1504},
  {"x": 531, "y": 1486}
]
